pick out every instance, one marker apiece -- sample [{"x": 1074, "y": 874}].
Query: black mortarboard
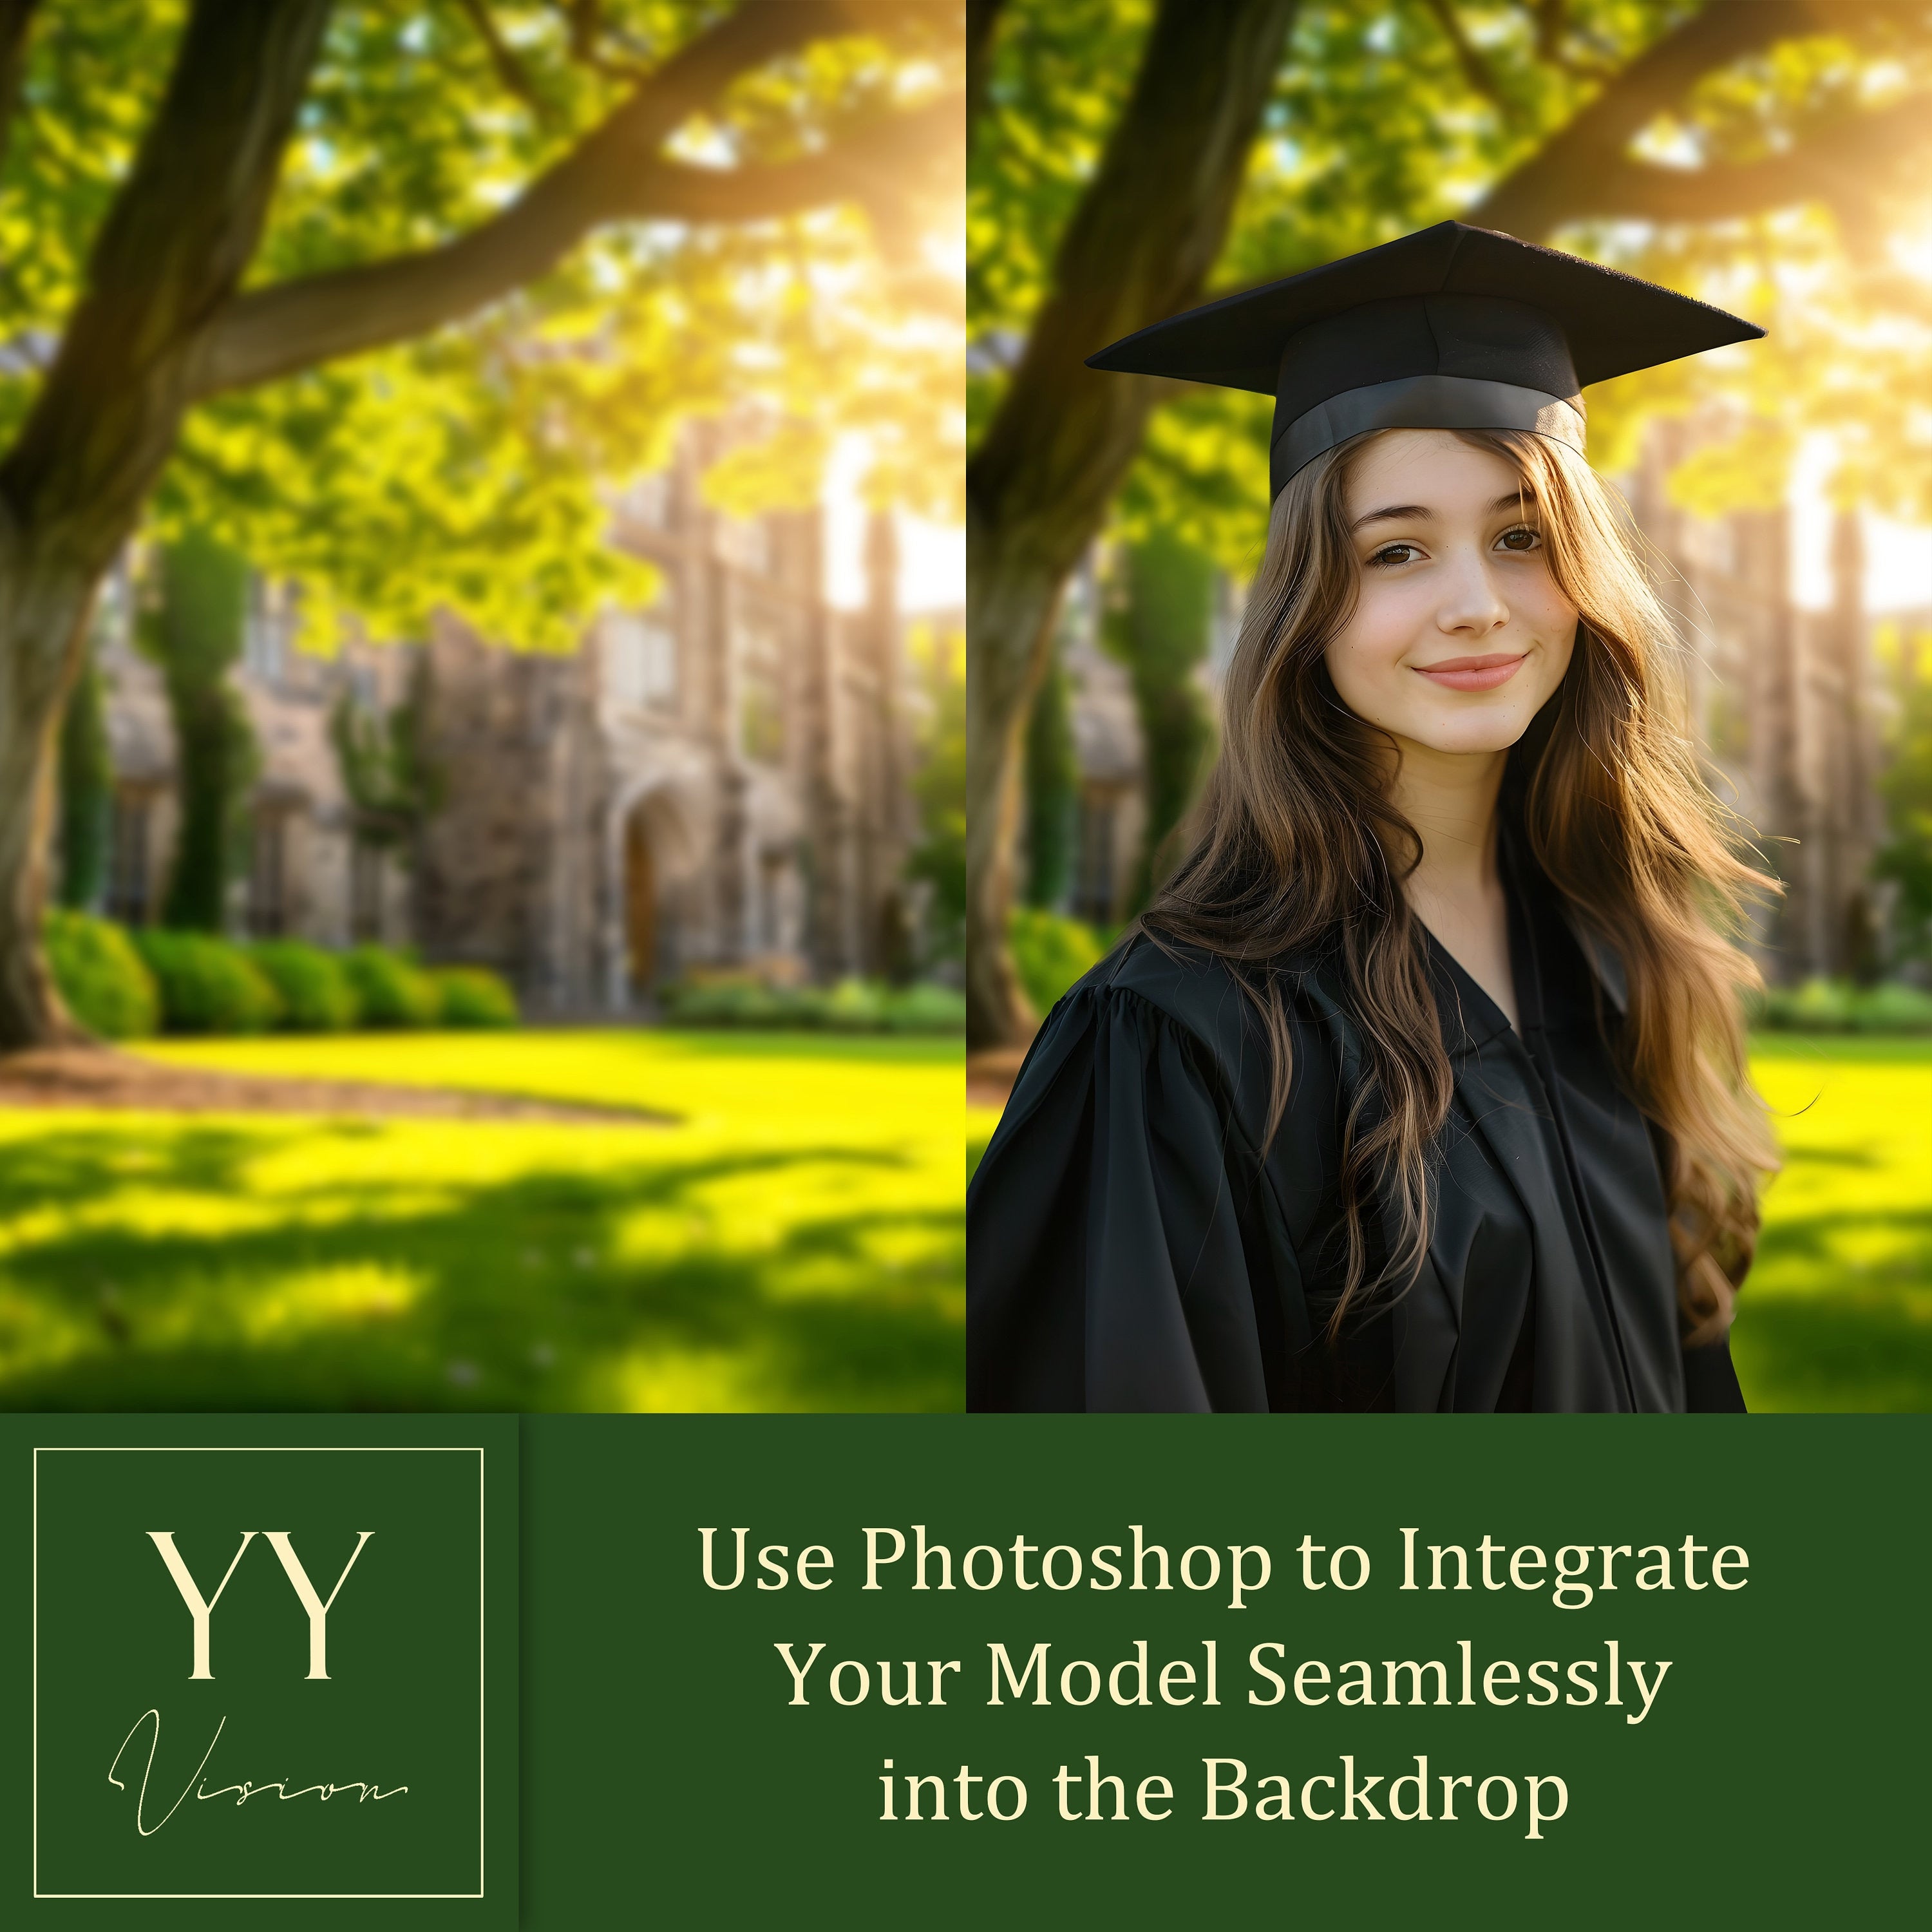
[{"x": 1450, "y": 328}]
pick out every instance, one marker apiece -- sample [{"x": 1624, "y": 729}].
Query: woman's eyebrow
[
  {"x": 1522, "y": 500},
  {"x": 1397, "y": 513}
]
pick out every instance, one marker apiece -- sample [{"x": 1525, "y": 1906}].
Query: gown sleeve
[
  {"x": 1711, "y": 1381},
  {"x": 1119, "y": 1252}
]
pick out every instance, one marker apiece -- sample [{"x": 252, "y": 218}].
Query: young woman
[{"x": 1421, "y": 1085}]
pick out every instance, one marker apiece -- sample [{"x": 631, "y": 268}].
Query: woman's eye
[
  {"x": 1520, "y": 539},
  {"x": 1391, "y": 556}
]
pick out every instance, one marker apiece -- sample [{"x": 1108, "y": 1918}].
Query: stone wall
[{"x": 1782, "y": 699}]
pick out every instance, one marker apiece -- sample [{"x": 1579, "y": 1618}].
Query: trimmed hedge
[
  {"x": 389, "y": 991},
  {"x": 1837, "y": 1006},
  {"x": 853, "y": 1006},
  {"x": 125, "y": 986},
  {"x": 104, "y": 982},
  {"x": 924, "y": 1008},
  {"x": 207, "y": 985},
  {"x": 473, "y": 996},
  {"x": 315, "y": 992},
  {"x": 1050, "y": 952}
]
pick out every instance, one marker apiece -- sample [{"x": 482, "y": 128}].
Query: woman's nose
[{"x": 1471, "y": 605}]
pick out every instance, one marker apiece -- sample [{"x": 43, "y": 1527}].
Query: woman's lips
[{"x": 1483, "y": 674}]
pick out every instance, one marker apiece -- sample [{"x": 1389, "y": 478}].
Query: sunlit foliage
[
  {"x": 471, "y": 468},
  {"x": 1388, "y": 116}
]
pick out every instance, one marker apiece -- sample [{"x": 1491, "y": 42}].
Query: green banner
[
  {"x": 963, "y": 1670},
  {"x": 1732, "y": 1741}
]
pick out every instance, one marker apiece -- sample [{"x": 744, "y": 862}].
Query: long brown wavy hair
[{"x": 1298, "y": 850}]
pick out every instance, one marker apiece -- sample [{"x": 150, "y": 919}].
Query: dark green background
[
  {"x": 1777, "y": 1781},
  {"x": 400, "y": 1704}
]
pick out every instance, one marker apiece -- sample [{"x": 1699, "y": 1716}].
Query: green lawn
[
  {"x": 793, "y": 1242},
  {"x": 1837, "y": 1314},
  {"x": 980, "y": 1122}
]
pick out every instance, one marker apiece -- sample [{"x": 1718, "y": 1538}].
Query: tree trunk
[
  {"x": 1009, "y": 608},
  {"x": 85, "y": 790},
  {"x": 1139, "y": 246},
  {"x": 173, "y": 247},
  {"x": 43, "y": 607}
]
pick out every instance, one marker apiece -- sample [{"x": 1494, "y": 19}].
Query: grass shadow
[
  {"x": 1858, "y": 1336},
  {"x": 529, "y": 1292}
]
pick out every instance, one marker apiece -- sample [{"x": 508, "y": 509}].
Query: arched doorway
[{"x": 640, "y": 901}]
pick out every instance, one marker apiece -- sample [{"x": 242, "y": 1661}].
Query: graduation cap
[{"x": 1450, "y": 328}]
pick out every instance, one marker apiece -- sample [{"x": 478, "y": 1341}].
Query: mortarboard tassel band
[{"x": 1422, "y": 402}]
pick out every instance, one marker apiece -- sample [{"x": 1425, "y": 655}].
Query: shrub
[
  {"x": 1822, "y": 1005},
  {"x": 1893, "y": 1007},
  {"x": 391, "y": 992},
  {"x": 473, "y": 996},
  {"x": 926, "y": 1008},
  {"x": 853, "y": 1006},
  {"x": 1051, "y": 952},
  {"x": 728, "y": 1003},
  {"x": 207, "y": 986},
  {"x": 104, "y": 981},
  {"x": 315, "y": 992},
  {"x": 1836, "y": 1006}
]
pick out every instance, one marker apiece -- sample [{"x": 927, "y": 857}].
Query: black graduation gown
[{"x": 1129, "y": 1248}]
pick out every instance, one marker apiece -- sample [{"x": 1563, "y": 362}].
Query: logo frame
[{"x": 282, "y": 1449}]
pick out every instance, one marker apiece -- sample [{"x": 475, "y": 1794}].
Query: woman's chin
[{"x": 1489, "y": 728}]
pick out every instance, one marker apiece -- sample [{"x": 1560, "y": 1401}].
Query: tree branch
[
  {"x": 615, "y": 173},
  {"x": 510, "y": 68},
  {"x": 587, "y": 27},
  {"x": 1846, "y": 156},
  {"x": 1149, "y": 226},
  {"x": 276, "y": 331},
  {"x": 1553, "y": 27},
  {"x": 1476, "y": 70},
  {"x": 16, "y": 20},
  {"x": 1562, "y": 179},
  {"x": 181, "y": 231},
  {"x": 983, "y": 21},
  {"x": 587, "y": 32},
  {"x": 1552, "y": 20},
  {"x": 863, "y": 165}
]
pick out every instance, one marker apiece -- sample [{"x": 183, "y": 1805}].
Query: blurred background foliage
[
  {"x": 1787, "y": 182},
  {"x": 482, "y": 451}
]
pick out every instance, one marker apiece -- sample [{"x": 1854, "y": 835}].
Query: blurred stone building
[
  {"x": 1784, "y": 699},
  {"x": 1785, "y": 702},
  {"x": 717, "y": 782}
]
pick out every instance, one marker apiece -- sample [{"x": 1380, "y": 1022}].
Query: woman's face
[{"x": 1460, "y": 634}]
